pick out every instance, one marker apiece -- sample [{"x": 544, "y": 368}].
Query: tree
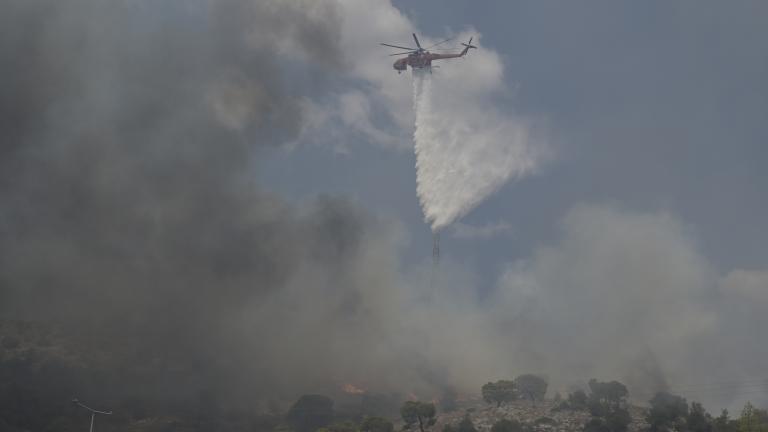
[
  {"x": 723, "y": 423},
  {"x": 422, "y": 413},
  {"x": 505, "y": 425},
  {"x": 753, "y": 419},
  {"x": 761, "y": 418},
  {"x": 531, "y": 387},
  {"x": 310, "y": 412},
  {"x": 345, "y": 426},
  {"x": 616, "y": 420},
  {"x": 607, "y": 404},
  {"x": 577, "y": 400},
  {"x": 376, "y": 424},
  {"x": 699, "y": 419},
  {"x": 499, "y": 392},
  {"x": 466, "y": 425},
  {"x": 608, "y": 394},
  {"x": 667, "y": 412}
]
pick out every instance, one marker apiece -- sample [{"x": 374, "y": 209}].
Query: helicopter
[{"x": 420, "y": 58}]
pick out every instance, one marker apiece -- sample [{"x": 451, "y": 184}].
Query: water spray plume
[{"x": 463, "y": 154}]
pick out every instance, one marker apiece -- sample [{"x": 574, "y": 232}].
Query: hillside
[{"x": 540, "y": 418}]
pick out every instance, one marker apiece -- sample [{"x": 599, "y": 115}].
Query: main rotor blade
[
  {"x": 416, "y": 39},
  {"x": 440, "y": 43},
  {"x": 402, "y": 53},
  {"x": 395, "y": 46}
]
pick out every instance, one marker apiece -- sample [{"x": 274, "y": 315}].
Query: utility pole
[{"x": 93, "y": 411}]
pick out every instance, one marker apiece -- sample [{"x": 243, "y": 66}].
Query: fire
[{"x": 352, "y": 389}]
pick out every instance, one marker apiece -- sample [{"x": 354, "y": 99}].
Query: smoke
[
  {"x": 463, "y": 156},
  {"x": 629, "y": 296},
  {"x": 131, "y": 133},
  {"x": 129, "y": 211}
]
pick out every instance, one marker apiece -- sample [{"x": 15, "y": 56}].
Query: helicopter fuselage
[
  {"x": 423, "y": 60},
  {"x": 420, "y": 58}
]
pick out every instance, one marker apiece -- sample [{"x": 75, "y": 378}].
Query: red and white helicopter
[{"x": 420, "y": 58}]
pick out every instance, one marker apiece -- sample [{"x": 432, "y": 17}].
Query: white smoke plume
[{"x": 462, "y": 156}]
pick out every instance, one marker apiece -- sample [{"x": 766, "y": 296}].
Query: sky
[
  {"x": 654, "y": 107},
  {"x": 196, "y": 172},
  {"x": 650, "y": 110}
]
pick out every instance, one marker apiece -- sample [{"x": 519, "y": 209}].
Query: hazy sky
[
  {"x": 655, "y": 110},
  {"x": 653, "y": 106},
  {"x": 199, "y": 171}
]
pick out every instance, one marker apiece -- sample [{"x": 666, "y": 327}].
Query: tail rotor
[{"x": 467, "y": 46}]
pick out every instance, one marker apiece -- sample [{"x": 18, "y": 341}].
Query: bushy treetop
[
  {"x": 499, "y": 392},
  {"x": 419, "y": 412},
  {"x": 505, "y": 425},
  {"x": 531, "y": 387}
]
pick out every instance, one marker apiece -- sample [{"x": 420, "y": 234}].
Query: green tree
[
  {"x": 747, "y": 419},
  {"x": 609, "y": 395},
  {"x": 466, "y": 425},
  {"x": 699, "y": 419},
  {"x": 761, "y": 418},
  {"x": 376, "y": 424},
  {"x": 422, "y": 413},
  {"x": 723, "y": 423},
  {"x": 345, "y": 426},
  {"x": 505, "y": 425},
  {"x": 607, "y": 403},
  {"x": 668, "y": 412},
  {"x": 499, "y": 392},
  {"x": 618, "y": 419},
  {"x": 753, "y": 419},
  {"x": 310, "y": 412},
  {"x": 531, "y": 387}
]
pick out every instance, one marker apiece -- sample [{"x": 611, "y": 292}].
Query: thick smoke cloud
[
  {"x": 129, "y": 133},
  {"x": 629, "y": 296},
  {"x": 128, "y": 209},
  {"x": 129, "y": 212}
]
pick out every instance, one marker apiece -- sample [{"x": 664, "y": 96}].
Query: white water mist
[{"x": 464, "y": 153}]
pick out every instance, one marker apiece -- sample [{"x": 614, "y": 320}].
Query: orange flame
[{"x": 352, "y": 389}]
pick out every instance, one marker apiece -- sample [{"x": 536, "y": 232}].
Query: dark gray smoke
[
  {"x": 129, "y": 136},
  {"x": 129, "y": 133}
]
